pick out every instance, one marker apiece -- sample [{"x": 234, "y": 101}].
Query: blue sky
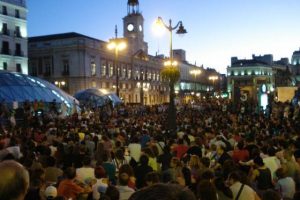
[{"x": 217, "y": 29}]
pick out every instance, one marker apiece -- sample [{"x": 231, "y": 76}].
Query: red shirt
[
  {"x": 180, "y": 150},
  {"x": 69, "y": 189},
  {"x": 240, "y": 155}
]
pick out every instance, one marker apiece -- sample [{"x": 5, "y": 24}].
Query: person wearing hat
[
  {"x": 50, "y": 192},
  {"x": 261, "y": 175}
]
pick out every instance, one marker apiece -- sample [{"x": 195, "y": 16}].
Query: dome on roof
[
  {"x": 94, "y": 97},
  {"x": 20, "y": 87}
]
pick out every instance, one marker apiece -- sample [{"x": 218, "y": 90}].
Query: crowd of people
[{"x": 220, "y": 151}]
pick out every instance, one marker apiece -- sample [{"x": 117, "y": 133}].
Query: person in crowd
[
  {"x": 285, "y": 185},
  {"x": 122, "y": 186},
  {"x": 52, "y": 173},
  {"x": 85, "y": 173},
  {"x": 141, "y": 170},
  {"x": 69, "y": 188},
  {"x": 239, "y": 190},
  {"x": 206, "y": 190},
  {"x": 101, "y": 181},
  {"x": 14, "y": 181}
]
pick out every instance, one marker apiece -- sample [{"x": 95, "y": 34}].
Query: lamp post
[
  {"x": 195, "y": 73},
  {"x": 60, "y": 84},
  {"x": 117, "y": 44},
  {"x": 171, "y": 71},
  {"x": 213, "y": 79}
]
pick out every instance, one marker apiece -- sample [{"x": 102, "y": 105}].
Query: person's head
[
  {"x": 233, "y": 177},
  {"x": 258, "y": 161},
  {"x": 112, "y": 192},
  {"x": 152, "y": 178},
  {"x": 271, "y": 195},
  {"x": 240, "y": 145},
  {"x": 119, "y": 154},
  {"x": 207, "y": 175},
  {"x": 70, "y": 173},
  {"x": 195, "y": 162},
  {"x": 123, "y": 179},
  {"x": 51, "y": 161},
  {"x": 50, "y": 192},
  {"x": 14, "y": 180},
  {"x": 280, "y": 173},
  {"x": 86, "y": 161},
  {"x": 205, "y": 162},
  {"x": 175, "y": 162},
  {"x": 164, "y": 192},
  {"x": 144, "y": 160},
  {"x": 221, "y": 186},
  {"x": 99, "y": 172},
  {"x": 206, "y": 190},
  {"x": 126, "y": 168}
]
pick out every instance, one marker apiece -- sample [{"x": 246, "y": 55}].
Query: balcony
[
  {"x": 65, "y": 73},
  {"x": 5, "y": 32},
  {"x": 19, "y": 53},
  {"x": 17, "y": 34},
  {"x": 5, "y": 51}
]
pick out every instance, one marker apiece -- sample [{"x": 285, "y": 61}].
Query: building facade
[
  {"x": 247, "y": 78},
  {"x": 13, "y": 37},
  {"x": 76, "y": 62}
]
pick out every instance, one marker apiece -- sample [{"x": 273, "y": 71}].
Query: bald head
[{"x": 14, "y": 180}]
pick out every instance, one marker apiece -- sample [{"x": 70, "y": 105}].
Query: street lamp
[
  {"x": 195, "y": 73},
  {"x": 171, "y": 72},
  {"x": 117, "y": 44},
  {"x": 213, "y": 79},
  {"x": 60, "y": 84}
]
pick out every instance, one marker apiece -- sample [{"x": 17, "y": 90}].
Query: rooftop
[{"x": 59, "y": 36}]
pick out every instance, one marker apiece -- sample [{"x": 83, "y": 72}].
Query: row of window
[
  {"x": 18, "y": 67},
  {"x": 6, "y": 31},
  {"x": 5, "y": 49},
  {"x": 4, "y": 12},
  {"x": 249, "y": 73},
  {"x": 109, "y": 85}
]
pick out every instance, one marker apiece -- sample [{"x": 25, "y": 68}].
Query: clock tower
[{"x": 133, "y": 25}]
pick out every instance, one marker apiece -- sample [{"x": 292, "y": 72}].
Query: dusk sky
[{"x": 217, "y": 29}]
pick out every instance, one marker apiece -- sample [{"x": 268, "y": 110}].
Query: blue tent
[
  {"x": 20, "y": 87},
  {"x": 94, "y": 97}
]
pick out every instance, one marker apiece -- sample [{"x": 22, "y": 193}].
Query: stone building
[{"x": 13, "y": 36}]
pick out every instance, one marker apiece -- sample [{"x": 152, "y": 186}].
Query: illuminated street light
[
  {"x": 171, "y": 71},
  {"x": 195, "y": 73},
  {"x": 60, "y": 84},
  {"x": 213, "y": 79},
  {"x": 117, "y": 44}
]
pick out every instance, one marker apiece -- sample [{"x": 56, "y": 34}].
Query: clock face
[
  {"x": 140, "y": 27},
  {"x": 130, "y": 27}
]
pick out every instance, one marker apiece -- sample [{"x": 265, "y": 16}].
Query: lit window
[{"x": 93, "y": 68}]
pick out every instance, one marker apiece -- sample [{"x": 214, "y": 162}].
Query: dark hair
[
  {"x": 235, "y": 176},
  {"x": 70, "y": 173},
  {"x": 240, "y": 145},
  {"x": 280, "y": 173},
  {"x": 99, "y": 172},
  {"x": 164, "y": 192},
  {"x": 86, "y": 160},
  {"x": 144, "y": 160},
  {"x": 126, "y": 169},
  {"x": 123, "y": 179},
  {"x": 51, "y": 161},
  {"x": 207, "y": 175},
  {"x": 205, "y": 161},
  {"x": 220, "y": 185},
  {"x": 152, "y": 177},
  {"x": 259, "y": 161},
  {"x": 112, "y": 192},
  {"x": 206, "y": 190},
  {"x": 271, "y": 195}
]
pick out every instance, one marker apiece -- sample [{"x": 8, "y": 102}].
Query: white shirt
[
  {"x": 272, "y": 163},
  {"x": 286, "y": 187},
  {"x": 135, "y": 151},
  {"x": 84, "y": 173},
  {"x": 247, "y": 193}
]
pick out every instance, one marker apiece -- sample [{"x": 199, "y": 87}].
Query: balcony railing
[
  {"x": 65, "y": 73},
  {"x": 19, "y": 53},
  {"x": 5, "y": 51},
  {"x": 18, "y": 34},
  {"x": 5, "y": 32}
]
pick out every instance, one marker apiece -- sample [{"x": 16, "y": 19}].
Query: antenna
[{"x": 116, "y": 31}]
